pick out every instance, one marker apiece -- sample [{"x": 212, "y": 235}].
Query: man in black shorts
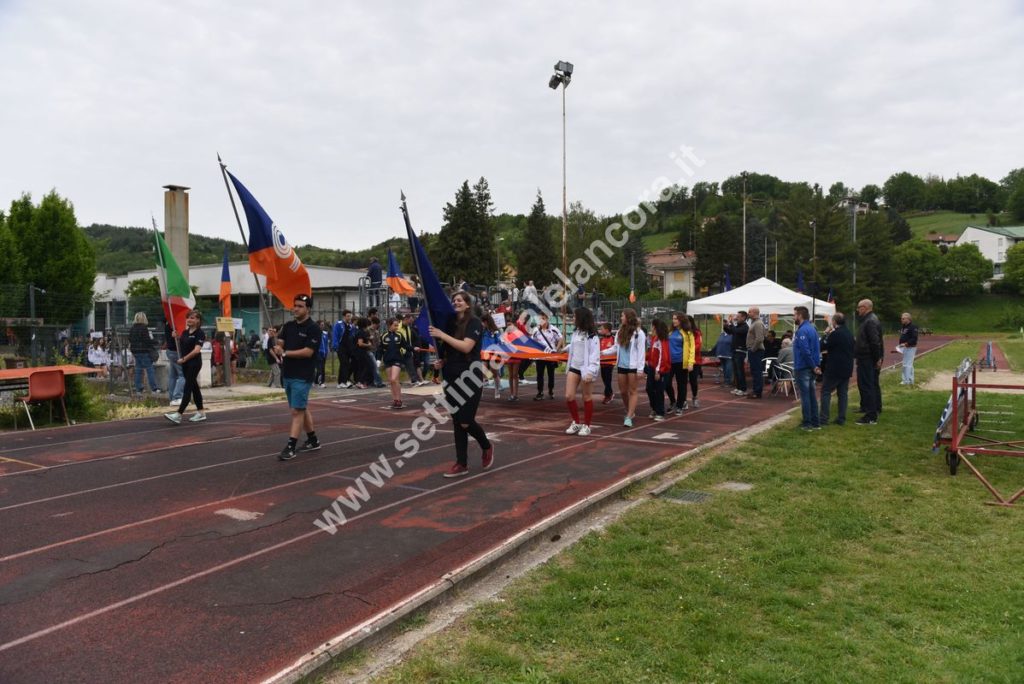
[{"x": 297, "y": 345}]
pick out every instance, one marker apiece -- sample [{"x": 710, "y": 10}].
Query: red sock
[
  {"x": 574, "y": 409},
  {"x": 588, "y": 411}
]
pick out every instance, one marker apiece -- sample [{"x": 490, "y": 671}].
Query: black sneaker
[
  {"x": 867, "y": 421},
  {"x": 310, "y": 445},
  {"x": 287, "y": 454},
  {"x": 539, "y": 397}
]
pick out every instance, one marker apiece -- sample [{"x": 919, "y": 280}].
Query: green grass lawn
[
  {"x": 965, "y": 315},
  {"x": 659, "y": 241},
  {"x": 856, "y": 557},
  {"x": 945, "y": 222}
]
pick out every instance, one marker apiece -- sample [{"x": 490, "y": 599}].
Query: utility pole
[{"x": 32, "y": 315}]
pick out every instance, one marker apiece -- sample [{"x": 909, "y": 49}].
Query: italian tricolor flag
[{"x": 175, "y": 292}]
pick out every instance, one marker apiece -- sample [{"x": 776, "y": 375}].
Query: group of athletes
[{"x": 665, "y": 354}]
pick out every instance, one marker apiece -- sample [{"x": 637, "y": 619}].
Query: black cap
[{"x": 305, "y": 299}]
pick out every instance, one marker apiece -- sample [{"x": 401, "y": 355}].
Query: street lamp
[
  {"x": 32, "y": 289},
  {"x": 744, "y": 175},
  {"x": 562, "y": 77}
]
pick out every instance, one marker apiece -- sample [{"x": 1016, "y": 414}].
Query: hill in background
[{"x": 121, "y": 249}]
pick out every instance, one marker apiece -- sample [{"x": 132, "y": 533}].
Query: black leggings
[
  {"x": 191, "y": 392},
  {"x": 549, "y": 368},
  {"x": 677, "y": 373},
  {"x": 606, "y": 376},
  {"x": 463, "y": 411}
]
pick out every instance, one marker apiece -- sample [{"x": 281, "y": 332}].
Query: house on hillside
[
  {"x": 940, "y": 240},
  {"x": 993, "y": 242},
  {"x": 672, "y": 271}
]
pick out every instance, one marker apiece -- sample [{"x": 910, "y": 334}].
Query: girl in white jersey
[
  {"x": 584, "y": 363},
  {"x": 631, "y": 352}
]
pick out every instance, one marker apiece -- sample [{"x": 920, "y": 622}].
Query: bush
[{"x": 1012, "y": 318}]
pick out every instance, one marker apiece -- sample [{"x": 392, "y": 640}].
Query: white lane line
[
  {"x": 256, "y": 554},
  {"x": 174, "y": 473}
]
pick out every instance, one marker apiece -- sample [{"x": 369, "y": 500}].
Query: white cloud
[{"x": 325, "y": 110}]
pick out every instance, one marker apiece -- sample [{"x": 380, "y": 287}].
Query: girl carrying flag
[
  {"x": 583, "y": 363},
  {"x": 550, "y": 338},
  {"x": 492, "y": 336}
]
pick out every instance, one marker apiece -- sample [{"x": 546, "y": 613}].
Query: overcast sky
[{"x": 326, "y": 109}]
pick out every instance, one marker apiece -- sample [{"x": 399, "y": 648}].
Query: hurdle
[{"x": 957, "y": 425}]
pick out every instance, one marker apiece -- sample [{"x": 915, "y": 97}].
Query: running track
[{"x": 139, "y": 550}]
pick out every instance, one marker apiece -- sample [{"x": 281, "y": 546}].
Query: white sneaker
[
  {"x": 340, "y": 385},
  {"x": 573, "y": 429},
  {"x": 197, "y": 418},
  {"x": 175, "y": 402},
  {"x": 584, "y": 431},
  {"x": 173, "y": 417},
  {"x": 695, "y": 404}
]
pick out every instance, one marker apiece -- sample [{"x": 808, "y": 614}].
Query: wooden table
[{"x": 15, "y": 379}]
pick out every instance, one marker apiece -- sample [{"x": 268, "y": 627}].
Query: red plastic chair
[{"x": 45, "y": 385}]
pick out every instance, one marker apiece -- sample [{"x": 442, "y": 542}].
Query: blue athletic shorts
[{"x": 297, "y": 392}]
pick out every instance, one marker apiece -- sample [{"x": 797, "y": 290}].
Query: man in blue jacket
[
  {"x": 838, "y": 349},
  {"x": 806, "y": 362}
]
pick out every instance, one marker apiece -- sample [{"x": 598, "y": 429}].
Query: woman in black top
[
  {"x": 394, "y": 350},
  {"x": 458, "y": 347},
  {"x": 190, "y": 343}
]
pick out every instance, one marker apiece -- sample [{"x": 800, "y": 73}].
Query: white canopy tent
[{"x": 766, "y": 294}]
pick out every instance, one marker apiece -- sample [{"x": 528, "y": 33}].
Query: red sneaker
[
  {"x": 488, "y": 457},
  {"x": 457, "y": 470}
]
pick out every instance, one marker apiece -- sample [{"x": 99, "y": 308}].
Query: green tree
[
  {"x": 719, "y": 247},
  {"x": 904, "y": 191},
  {"x": 878, "y": 279},
  {"x": 537, "y": 258},
  {"x": 1013, "y": 268},
  {"x": 838, "y": 191},
  {"x": 920, "y": 265},
  {"x": 870, "y": 194},
  {"x": 1015, "y": 204},
  {"x": 964, "y": 270},
  {"x": 465, "y": 245},
  {"x": 57, "y": 256},
  {"x": 143, "y": 287},
  {"x": 973, "y": 194}
]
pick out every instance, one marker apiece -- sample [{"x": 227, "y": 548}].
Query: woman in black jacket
[{"x": 140, "y": 341}]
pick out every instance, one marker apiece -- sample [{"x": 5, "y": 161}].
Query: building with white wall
[{"x": 993, "y": 242}]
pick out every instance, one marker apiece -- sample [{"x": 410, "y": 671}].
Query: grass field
[
  {"x": 960, "y": 315},
  {"x": 855, "y": 557},
  {"x": 945, "y": 222},
  {"x": 659, "y": 241}
]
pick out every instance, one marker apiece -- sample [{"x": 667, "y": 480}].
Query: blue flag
[
  {"x": 800, "y": 281},
  {"x": 437, "y": 308},
  {"x": 728, "y": 283}
]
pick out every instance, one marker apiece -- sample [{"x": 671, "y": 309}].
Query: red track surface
[{"x": 116, "y": 565}]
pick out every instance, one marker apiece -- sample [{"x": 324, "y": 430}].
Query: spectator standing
[
  {"x": 273, "y": 360},
  {"x": 297, "y": 345},
  {"x": 376, "y": 278},
  {"x": 806, "y": 363},
  {"x": 838, "y": 346},
  {"x": 343, "y": 344},
  {"x": 723, "y": 351},
  {"x": 738, "y": 328},
  {"x": 868, "y": 350},
  {"x": 755, "y": 352},
  {"x": 143, "y": 347},
  {"x": 321, "y": 354},
  {"x": 908, "y": 347}
]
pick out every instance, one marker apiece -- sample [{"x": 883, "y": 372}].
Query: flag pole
[
  {"x": 245, "y": 240},
  {"x": 415, "y": 257},
  {"x": 162, "y": 282}
]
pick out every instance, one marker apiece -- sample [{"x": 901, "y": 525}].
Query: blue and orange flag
[
  {"x": 395, "y": 280},
  {"x": 270, "y": 255},
  {"x": 225, "y": 287},
  {"x": 437, "y": 308}
]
